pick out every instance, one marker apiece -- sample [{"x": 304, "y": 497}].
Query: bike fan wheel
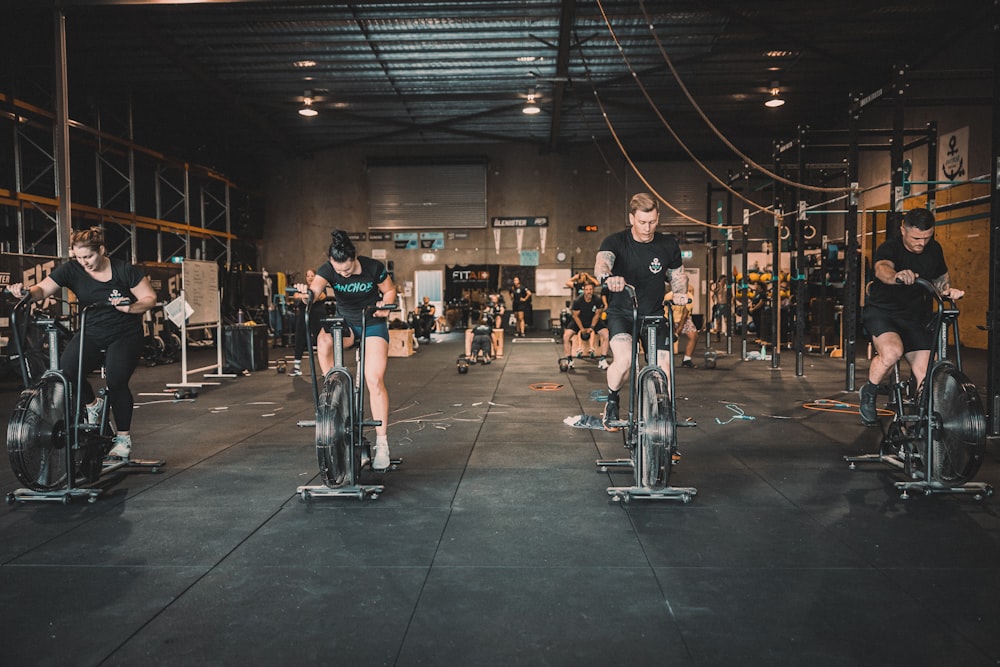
[
  {"x": 657, "y": 435},
  {"x": 960, "y": 437},
  {"x": 36, "y": 436},
  {"x": 334, "y": 429}
]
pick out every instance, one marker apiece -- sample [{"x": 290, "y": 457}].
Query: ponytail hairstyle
[
  {"x": 341, "y": 247},
  {"x": 92, "y": 239}
]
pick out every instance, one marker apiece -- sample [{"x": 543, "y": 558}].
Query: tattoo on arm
[
  {"x": 678, "y": 281},
  {"x": 942, "y": 283},
  {"x": 605, "y": 263}
]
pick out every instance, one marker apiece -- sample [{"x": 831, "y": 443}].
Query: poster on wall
[
  {"x": 954, "y": 155},
  {"x": 552, "y": 282},
  {"x": 405, "y": 240},
  {"x": 432, "y": 240},
  {"x": 466, "y": 278}
]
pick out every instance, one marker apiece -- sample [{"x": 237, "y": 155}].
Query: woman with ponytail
[{"x": 359, "y": 282}]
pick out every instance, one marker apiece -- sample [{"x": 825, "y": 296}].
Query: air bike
[
  {"x": 54, "y": 450},
  {"x": 938, "y": 437},
  {"x": 341, "y": 447},
  {"x": 650, "y": 432}
]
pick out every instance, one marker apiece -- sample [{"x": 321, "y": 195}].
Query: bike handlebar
[
  {"x": 371, "y": 310},
  {"x": 929, "y": 286}
]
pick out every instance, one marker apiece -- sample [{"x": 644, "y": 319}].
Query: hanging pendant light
[
  {"x": 774, "y": 100},
  {"x": 307, "y": 108},
  {"x": 531, "y": 106}
]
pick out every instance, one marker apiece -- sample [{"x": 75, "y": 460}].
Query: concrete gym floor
[{"x": 496, "y": 543}]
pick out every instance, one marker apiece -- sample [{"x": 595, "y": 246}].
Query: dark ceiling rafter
[
  {"x": 213, "y": 85},
  {"x": 567, "y": 17},
  {"x": 229, "y": 73}
]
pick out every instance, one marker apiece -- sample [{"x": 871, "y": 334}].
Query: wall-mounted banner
[
  {"x": 529, "y": 221},
  {"x": 405, "y": 240},
  {"x": 529, "y": 258},
  {"x": 432, "y": 240},
  {"x": 953, "y": 150},
  {"x": 459, "y": 280},
  {"x": 379, "y": 236},
  {"x": 357, "y": 236}
]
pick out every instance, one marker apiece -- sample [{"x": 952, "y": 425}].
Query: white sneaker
[
  {"x": 570, "y": 364},
  {"x": 381, "y": 460},
  {"x": 603, "y": 364},
  {"x": 122, "y": 448},
  {"x": 94, "y": 411}
]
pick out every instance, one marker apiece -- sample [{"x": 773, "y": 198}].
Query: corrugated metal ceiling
[{"x": 228, "y": 77}]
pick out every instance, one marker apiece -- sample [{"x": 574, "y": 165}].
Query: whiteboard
[
  {"x": 552, "y": 282},
  {"x": 200, "y": 282}
]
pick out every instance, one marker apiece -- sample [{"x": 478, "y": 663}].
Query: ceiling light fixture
[
  {"x": 307, "y": 109},
  {"x": 531, "y": 106},
  {"x": 774, "y": 100}
]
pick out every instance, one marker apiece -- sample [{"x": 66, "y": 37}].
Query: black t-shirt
[
  {"x": 492, "y": 310},
  {"x": 103, "y": 321},
  {"x": 912, "y": 301},
  {"x": 356, "y": 292},
  {"x": 588, "y": 309},
  {"x": 643, "y": 265},
  {"x": 519, "y": 297}
]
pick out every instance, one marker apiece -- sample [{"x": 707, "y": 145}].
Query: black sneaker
[
  {"x": 869, "y": 415},
  {"x": 687, "y": 363},
  {"x": 610, "y": 414}
]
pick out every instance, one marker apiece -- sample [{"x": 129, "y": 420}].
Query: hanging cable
[
  {"x": 670, "y": 129},
  {"x": 699, "y": 111},
  {"x": 631, "y": 162}
]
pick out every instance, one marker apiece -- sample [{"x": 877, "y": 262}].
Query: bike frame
[
  {"x": 358, "y": 459},
  {"x": 904, "y": 419},
  {"x": 73, "y": 412},
  {"x": 649, "y": 325}
]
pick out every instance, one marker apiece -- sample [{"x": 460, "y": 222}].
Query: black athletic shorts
[
  {"x": 916, "y": 334},
  {"x": 571, "y": 325},
  {"x": 623, "y": 324}
]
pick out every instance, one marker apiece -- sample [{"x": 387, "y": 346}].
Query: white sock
[
  {"x": 687, "y": 358},
  {"x": 382, "y": 440}
]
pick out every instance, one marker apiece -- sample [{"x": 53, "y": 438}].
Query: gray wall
[{"x": 306, "y": 198}]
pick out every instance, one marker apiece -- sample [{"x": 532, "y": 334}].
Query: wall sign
[
  {"x": 405, "y": 240},
  {"x": 432, "y": 240},
  {"x": 529, "y": 221}
]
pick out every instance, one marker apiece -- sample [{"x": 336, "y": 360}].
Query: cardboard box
[{"x": 400, "y": 342}]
